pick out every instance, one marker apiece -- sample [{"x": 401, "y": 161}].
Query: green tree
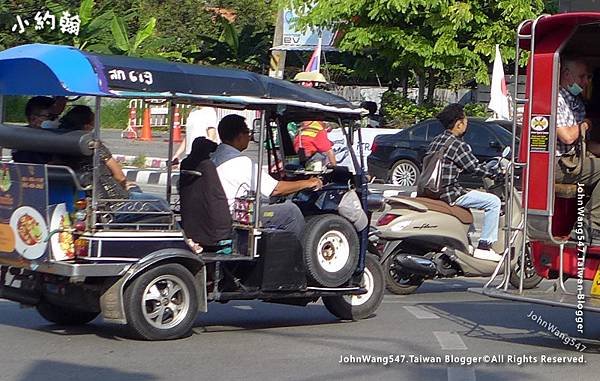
[{"x": 431, "y": 38}]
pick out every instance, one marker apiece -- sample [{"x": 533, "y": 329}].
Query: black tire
[
  {"x": 355, "y": 307},
  {"x": 155, "y": 284},
  {"x": 532, "y": 278},
  {"x": 397, "y": 281},
  {"x": 64, "y": 315},
  {"x": 405, "y": 173},
  {"x": 330, "y": 250}
]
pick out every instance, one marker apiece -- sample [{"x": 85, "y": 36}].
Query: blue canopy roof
[
  {"x": 40, "y": 69},
  {"x": 48, "y": 70}
]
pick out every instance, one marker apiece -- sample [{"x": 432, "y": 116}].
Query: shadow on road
[
  {"x": 56, "y": 370},
  {"x": 479, "y": 318}
]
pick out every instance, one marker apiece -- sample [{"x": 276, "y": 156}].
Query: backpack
[{"x": 429, "y": 183}]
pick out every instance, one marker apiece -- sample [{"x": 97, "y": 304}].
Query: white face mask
[{"x": 49, "y": 124}]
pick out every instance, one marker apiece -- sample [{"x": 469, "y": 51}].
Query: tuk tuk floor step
[
  {"x": 209, "y": 257},
  {"x": 548, "y": 297}
]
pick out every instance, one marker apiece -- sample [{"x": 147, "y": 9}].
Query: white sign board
[
  {"x": 342, "y": 155},
  {"x": 295, "y": 37}
]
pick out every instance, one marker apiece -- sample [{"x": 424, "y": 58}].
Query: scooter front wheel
[{"x": 399, "y": 281}]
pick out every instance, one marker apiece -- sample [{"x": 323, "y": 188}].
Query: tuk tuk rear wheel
[
  {"x": 330, "y": 250},
  {"x": 162, "y": 303},
  {"x": 64, "y": 315},
  {"x": 532, "y": 278},
  {"x": 356, "y": 307}
]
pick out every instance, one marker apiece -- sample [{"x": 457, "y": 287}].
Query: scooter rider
[{"x": 458, "y": 157}]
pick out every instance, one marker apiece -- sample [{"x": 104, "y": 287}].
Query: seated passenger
[
  {"x": 570, "y": 117},
  {"x": 111, "y": 182},
  {"x": 204, "y": 210},
  {"x": 238, "y": 175},
  {"x": 312, "y": 143},
  {"x": 38, "y": 111}
]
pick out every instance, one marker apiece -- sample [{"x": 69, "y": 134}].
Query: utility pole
[{"x": 277, "y": 61}]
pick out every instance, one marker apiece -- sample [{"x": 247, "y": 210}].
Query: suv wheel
[{"x": 404, "y": 173}]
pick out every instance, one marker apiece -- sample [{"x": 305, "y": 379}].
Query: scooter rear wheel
[{"x": 397, "y": 281}]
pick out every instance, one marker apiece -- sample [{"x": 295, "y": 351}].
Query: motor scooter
[{"x": 422, "y": 238}]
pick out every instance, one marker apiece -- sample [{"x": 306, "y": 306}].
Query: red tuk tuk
[{"x": 552, "y": 210}]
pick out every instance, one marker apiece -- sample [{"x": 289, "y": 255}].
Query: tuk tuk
[
  {"x": 64, "y": 250},
  {"x": 552, "y": 210}
]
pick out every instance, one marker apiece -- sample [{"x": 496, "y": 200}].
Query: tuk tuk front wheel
[
  {"x": 356, "y": 307},
  {"x": 64, "y": 315},
  {"x": 162, "y": 303}
]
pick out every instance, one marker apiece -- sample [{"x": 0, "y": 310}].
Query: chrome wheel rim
[
  {"x": 404, "y": 174},
  {"x": 166, "y": 302}
]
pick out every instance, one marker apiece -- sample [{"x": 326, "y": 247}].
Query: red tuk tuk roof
[{"x": 548, "y": 25}]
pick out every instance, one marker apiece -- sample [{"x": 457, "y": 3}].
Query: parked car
[{"x": 398, "y": 158}]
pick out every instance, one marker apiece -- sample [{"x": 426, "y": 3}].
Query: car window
[
  {"x": 418, "y": 132},
  {"x": 479, "y": 134},
  {"x": 503, "y": 134},
  {"x": 435, "y": 129}
]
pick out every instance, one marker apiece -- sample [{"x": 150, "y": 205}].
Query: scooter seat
[{"x": 463, "y": 215}]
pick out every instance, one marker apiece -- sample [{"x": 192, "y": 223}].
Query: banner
[{"x": 308, "y": 39}]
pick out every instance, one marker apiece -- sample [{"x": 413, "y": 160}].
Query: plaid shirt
[
  {"x": 570, "y": 112},
  {"x": 458, "y": 158}
]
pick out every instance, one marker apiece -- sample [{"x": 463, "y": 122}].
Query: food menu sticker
[
  {"x": 62, "y": 240},
  {"x": 539, "y": 134},
  {"x": 23, "y": 202}
]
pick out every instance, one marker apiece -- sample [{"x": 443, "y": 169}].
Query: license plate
[{"x": 596, "y": 285}]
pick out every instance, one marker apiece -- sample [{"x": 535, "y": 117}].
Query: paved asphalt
[{"x": 260, "y": 341}]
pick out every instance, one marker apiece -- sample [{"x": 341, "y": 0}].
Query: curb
[
  {"x": 150, "y": 162},
  {"x": 150, "y": 177}
]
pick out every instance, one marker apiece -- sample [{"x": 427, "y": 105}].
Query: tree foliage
[
  {"x": 188, "y": 30},
  {"x": 429, "y": 37}
]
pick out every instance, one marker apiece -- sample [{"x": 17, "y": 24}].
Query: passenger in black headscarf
[{"x": 204, "y": 210}]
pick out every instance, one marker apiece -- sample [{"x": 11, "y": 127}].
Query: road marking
[
  {"x": 461, "y": 374},
  {"x": 449, "y": 340},
  {"x": 246, "y": 308},
  {"x": 420, "y": 313}
]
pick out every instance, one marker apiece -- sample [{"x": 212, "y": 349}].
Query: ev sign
[{"x": 307, "y": 37}]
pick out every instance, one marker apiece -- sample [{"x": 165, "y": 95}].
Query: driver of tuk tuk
[
  {"x": 570, "y": 118},
  {"x": 238, "y": 175}
]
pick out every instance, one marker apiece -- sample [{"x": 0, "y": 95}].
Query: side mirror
[
  {"x": 255, "y": 132},
  {"x": 495, "y": 144},
  {"x": 505, "y": 152}
]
